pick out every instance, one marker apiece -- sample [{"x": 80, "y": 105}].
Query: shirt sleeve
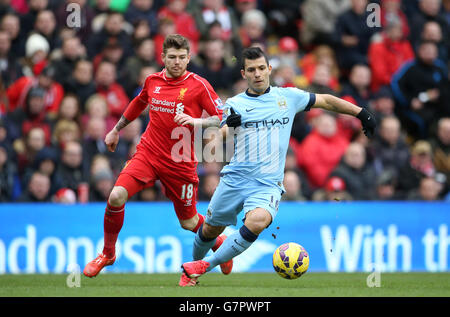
[
  {"x": 143, "y": 95},
  {"x": 209, "y": 100},
  {"x": 303, "y": 100}
]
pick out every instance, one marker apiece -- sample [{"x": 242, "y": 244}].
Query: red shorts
[{"x": 180, "y": 188}]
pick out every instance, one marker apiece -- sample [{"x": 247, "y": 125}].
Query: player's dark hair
[
  {"x": 253, "y": 53},
  {"x": 176, "y": 41}
]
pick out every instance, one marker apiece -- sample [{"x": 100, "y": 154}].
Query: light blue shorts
[{"x": 231, "y": 197}]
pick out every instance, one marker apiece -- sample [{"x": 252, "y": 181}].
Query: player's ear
[{"x": 243, "y": 73}]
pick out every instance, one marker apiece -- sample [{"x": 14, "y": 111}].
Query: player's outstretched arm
[
  {"x": 134, "y": 109},
  {"x": 332, "y": 103}
]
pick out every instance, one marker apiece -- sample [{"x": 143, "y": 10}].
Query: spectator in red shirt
[
  {"x": 54, "y": 92},
  {"x": 321, "y": 151},
  {"x": 184, "y": 22},
  {"x": 105, "y": 81},
  {"x": 387, "y": 53}
]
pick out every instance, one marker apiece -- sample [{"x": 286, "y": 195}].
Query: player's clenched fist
[
  {"x": 368, "y": 122},
  {"x": 112, "y": 139},
  {"x": 234, "y": 119}
]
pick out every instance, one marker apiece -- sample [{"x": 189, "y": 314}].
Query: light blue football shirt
[{"x": 262, "y": 141}]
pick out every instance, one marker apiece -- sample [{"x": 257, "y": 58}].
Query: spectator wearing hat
[
  {"x": 65, "y": 196},
  {"x": 334, "y": 190},
  {"x": 389, "y": 148},
  {"x": 357, "y": 174},
  {"x": 387, "y": 52},
  {"x": 420, "y": 165},
  {"x": 319, "y": 20},
  {"x": 37, "y": 190},
  {"x": 288, "y": 54},
  {"x": 352, "y": 35},
  {"x": 37, "y": 51}
]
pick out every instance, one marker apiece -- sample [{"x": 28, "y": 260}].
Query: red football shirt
[{"x": 165, "y": 141}]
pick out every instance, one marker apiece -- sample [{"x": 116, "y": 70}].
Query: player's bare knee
[
  {"x": 118, "y": 196},
  {"x": 211, "y": 232},
  {"x": 189, "y": 224},
  {"x": 257, "y": 220}
]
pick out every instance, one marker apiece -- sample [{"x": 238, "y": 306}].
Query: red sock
[
  {"x": 201, "y": 219},
  {"x": 112, "y": 224}
]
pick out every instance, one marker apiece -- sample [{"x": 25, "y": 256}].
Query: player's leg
[
  {"x": 133, "y": 178},
  {"x": 222, "y": 210},
  {"x": 183, "y": 194},
  {"x": 255, "y": 222},
  {"x": 260, "y": 207}
]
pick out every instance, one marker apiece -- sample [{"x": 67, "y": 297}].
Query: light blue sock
[
  {"x": 201, "y": 245},
  {"x": 235, "y": 244}
]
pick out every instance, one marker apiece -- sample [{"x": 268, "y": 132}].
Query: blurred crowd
[{"x": 66, "y": 79}]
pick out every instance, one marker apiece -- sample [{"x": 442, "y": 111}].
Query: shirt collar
[{"x": 255, "y": 95}]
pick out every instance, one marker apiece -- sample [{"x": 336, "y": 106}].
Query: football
[{"x": 290, "y": 260}]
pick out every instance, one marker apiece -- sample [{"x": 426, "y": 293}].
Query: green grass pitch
[{"x": 234, "y": 285}]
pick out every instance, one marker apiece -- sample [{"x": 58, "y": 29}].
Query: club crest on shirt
[
  {"x": 282, "y": 103},
  {"x": 182, "y": 93}
]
